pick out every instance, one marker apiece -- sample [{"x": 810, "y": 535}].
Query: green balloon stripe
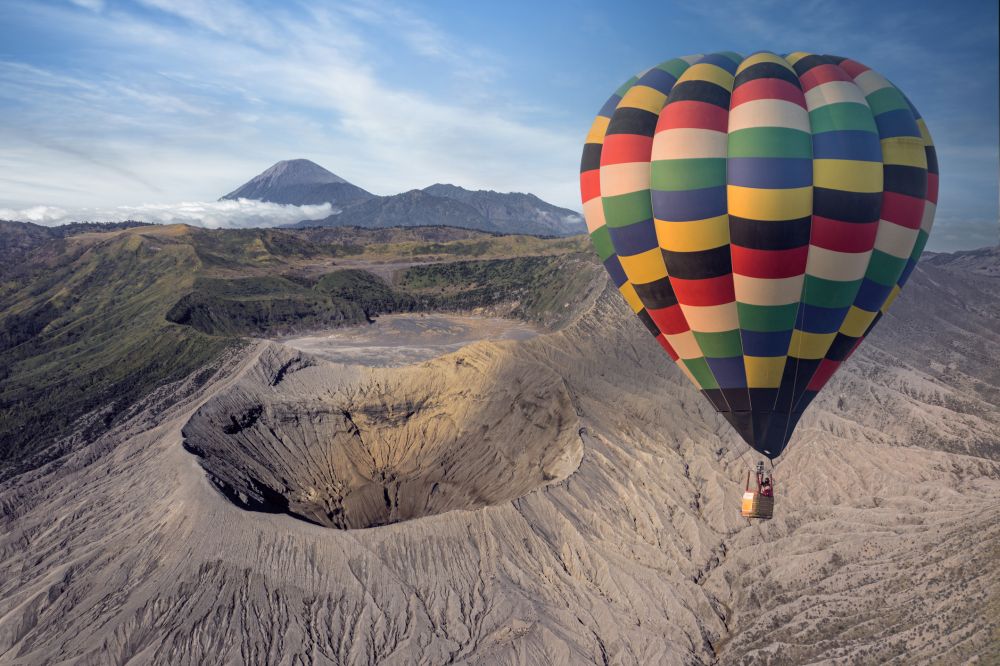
[{"x": 856, "y": 125}]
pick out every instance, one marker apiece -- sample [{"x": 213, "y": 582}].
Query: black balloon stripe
[
  {"x": 656, "y": 295},
  {"x": 648, "y": 322},
  {"x": 903, "y": 179},
  {"x": 699, "y": 265},
  {"x": 766, "y": 70},
  {"x": 628, "y": 120},
  {"x": 769, "y": 235},
  {"x": 860, "y": 207},
  {"x": 700, "y": 91},
  {"x": 808, "y": 62}
]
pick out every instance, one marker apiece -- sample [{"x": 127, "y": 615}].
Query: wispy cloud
[
  {"x": 212, "y": 214},
  {"x": 225, "y": 18},
  {"x": 222, "y": 83},
  {"x": 92, "y": 5}
]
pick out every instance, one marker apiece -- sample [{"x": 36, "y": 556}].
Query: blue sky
[{"x": 155, "y": 108}]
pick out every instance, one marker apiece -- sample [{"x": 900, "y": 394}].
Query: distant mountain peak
[
  {"x": 442, "y": 187},
  {"x": 303, "y": 182},
  {"x": 301, "y": 171},
  {"x": 299, "y": 182}
]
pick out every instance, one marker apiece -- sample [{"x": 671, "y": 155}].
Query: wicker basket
[{"x": 756, "y": 505}]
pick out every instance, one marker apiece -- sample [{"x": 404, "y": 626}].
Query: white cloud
[
  {"x": 222, "y": 17},
  {"x": 37, "y": 214},
  {"x": 211, "y": 214},
  {"x": 246, "y": 88},
  {"x": 92, "y": 5}
]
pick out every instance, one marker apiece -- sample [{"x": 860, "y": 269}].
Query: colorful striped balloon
[{"x": 759, "y": 215}]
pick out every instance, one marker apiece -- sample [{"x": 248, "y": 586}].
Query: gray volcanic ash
[{"x": 884, "y": 547}]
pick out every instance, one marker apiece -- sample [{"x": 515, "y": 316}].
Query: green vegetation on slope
[
  {"x": 538, "y": 287},
  {"x": 485, "y": 247},
  {"x": 93, "y": 321},
  {"x": 277, "y": 305},
  {"x": 92, "y": 333}
]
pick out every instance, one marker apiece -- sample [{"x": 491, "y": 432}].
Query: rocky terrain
[{"x": 563, "y": 499}]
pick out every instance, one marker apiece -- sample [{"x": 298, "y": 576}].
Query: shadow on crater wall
[{"x": 351, "y": 447}]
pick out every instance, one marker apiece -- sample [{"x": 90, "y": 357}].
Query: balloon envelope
[{"x": 759, "y": 214}]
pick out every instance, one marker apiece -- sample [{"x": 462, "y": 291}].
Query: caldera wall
[{"x": 351, "y": 447}]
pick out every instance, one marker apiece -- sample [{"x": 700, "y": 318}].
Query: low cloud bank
[{"x": 211, "y": 214}]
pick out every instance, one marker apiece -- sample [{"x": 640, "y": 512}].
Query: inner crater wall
[{"x": 349, "y": 447}]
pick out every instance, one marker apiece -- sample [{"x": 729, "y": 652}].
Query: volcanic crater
[{"x": 347, "y": 447}]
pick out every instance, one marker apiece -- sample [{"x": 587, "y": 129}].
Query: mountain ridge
[
  {"x": 302, "y": 182},
  {"x": 299, "y": 182},
  {"x": 513, "y": 211},
  {"x": 455, "y": 206},
  {"x": 406, "y": 209}
]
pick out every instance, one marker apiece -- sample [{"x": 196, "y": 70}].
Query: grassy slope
[
  {"x": 94, "y": 321},
  {"x": 102, "y": 339},
  {"x": 539, "y": 288},
  {"x": 536, "y": 288},
  {"x": 487, "y": 247},
  {"x": 267, "y": 306}
]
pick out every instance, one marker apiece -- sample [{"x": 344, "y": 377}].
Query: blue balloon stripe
[
  {"x": 634, "y": 239},
  {"x": 871, "y": 295},
  {"x": 729, "y": 372},
  {"x": 774, "y": 173},
  {"x": 899, "y": 122},
  {"x": 658, "y": 79},
  {"x": 765, "y": 343},
  {"x": 687, "y": 205},
  {"x": 615, "y": 270},
  {"x": 609, "y": 107},
  {"x": 817, "y": 319},
  {"x": 847, "y": 145},
  {"x": 720, "y": 60}
]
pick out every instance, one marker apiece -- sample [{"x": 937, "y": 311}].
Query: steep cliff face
[{"x": 594, "y": 519}]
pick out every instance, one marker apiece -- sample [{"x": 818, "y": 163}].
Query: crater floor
[{"x": 394, "y": 340}]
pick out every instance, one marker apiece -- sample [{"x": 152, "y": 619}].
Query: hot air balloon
[{"x": 759, "y": 214}]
